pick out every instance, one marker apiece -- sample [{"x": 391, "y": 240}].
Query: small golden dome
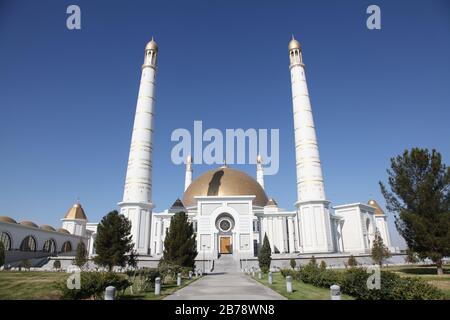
[
  {"x": 151, "y": 45},
  {"x": 62, "y": 230},
  {"x": 76, "y": 212},
  {"x": 29, "y": 224},
  {"x": 293, "y": 44},
  {"x": 47, "y": 227},
  {"x": 224, "y": 182},
  {"x": 378, "y": 210},
  {"x": 271, "y": 203},
  {"x": 7, "y": 219}
]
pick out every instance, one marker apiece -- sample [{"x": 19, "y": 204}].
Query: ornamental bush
[
  {"x": 353, "y": 282},
  {"x": 93, "y": 285}
]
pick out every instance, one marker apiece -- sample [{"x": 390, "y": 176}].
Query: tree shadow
[{"x": 214, "y": 184}]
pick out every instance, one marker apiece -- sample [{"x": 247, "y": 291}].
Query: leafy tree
[
  {"x": 57, "y": 264},
  {"x": 81, "y": 256},
  {"x": 379, "y": 251},
  {"x": 293, "y": 263},
  {"x": 352, "y": 262},
  {"x": 113, "y": 242},
  {"x": 419, "y": 196},
  {"x": 265, "y": 255},
  {"x": 2, "y": 254},
  {"x": 179, "y": 245}
]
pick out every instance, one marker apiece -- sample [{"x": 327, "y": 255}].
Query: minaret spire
[
  {"x": 137, "y": 197},
  {"x": 188, "y": 177},
  {"x": 311, "y": 201},
  {"x": 259, "y": 171}
]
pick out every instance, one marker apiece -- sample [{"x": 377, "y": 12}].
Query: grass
[
  {"x": 301, "y": 290},
  {"x": 29, "y": 285},
  {"x": 427, "y": 273}
]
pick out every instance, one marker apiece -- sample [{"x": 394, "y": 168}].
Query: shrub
[
  {"x": 143, "y": 279},
  {"x": 293, "y": 263},
  {"x": 289, "y": 272},
  {"x": 93, "y": 285},
  {"x": 57, "y": 264},
  {"x": 25, "y": 264},
  {"x": 354, "y": 282},
  {"x": 169, "y": 271}
]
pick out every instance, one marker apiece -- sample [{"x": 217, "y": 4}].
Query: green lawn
[
  {"x": 427, "y": 273},
  {"x": 301, "y": 290},
  {"x": 42, "y": 286},
  {"x": 30, "y": 285}
]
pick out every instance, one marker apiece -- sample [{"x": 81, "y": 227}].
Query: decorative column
[
  {"x": 188, "y": 176},
  {"x": 312, "y": 205},
  {"x": 259, "y": 171},
  {"x": 291, "y": 235},
  {"x": 137, "y": 198}
]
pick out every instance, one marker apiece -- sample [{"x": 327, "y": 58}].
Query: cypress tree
[
  {"x": 2, "y": 254},
  {"x": 81, "y": 256},
  {"x": 113, "y": 244},
  {"x": 264, "y": 256},
  {"x": 179, "y": 245}
]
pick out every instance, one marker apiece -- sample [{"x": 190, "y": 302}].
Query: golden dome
[
  {"x": 76, "y": 212},
  {"x": 7, "y": 219},
  {"x": 378, "y": 210},
  {"x": 293, "y": 44},
  {"x": 62, "y": 230},
  {"x": 29, "y": 224},
  {"x": 47, "y": 227},
  {"x": 224, "y": 181},
  {"x": 151, "y": 45}
]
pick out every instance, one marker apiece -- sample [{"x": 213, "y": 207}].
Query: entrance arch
[{"x": 225, "y": 224}]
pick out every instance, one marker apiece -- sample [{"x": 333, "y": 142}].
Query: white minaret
[
  {"x": 259, "y": 171},
  {"x": 137, "y": 197},
  {"x": 188, "y": 177},
  {"x": 312, "y": 205}
]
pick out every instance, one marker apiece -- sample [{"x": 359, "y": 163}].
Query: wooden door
[{"x": 225, "y": 244}]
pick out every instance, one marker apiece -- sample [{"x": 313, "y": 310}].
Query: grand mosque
[{"x": 230, "y": 210}]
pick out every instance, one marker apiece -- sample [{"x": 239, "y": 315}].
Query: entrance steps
[{"x": 226, "y": 264}]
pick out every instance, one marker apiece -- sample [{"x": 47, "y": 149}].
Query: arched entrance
[{"x": 225, "y": 225}]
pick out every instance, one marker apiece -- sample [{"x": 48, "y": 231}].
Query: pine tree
[
  {"x": 57, "y": 264},
  {"x": 323, "y": 265},
  {"x": 379, "y": 251},
  {"x": 113, "y": 243},
  {"x": 81, "y": 256},
  {"x": 2, "y": 254},
  {"x": 419, "y": 196},
  {"x": 264, "y": 256},
  {"x": 179, "y": 245}
]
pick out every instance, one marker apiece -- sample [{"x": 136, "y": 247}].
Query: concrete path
[{"x": 229, "y": 284}]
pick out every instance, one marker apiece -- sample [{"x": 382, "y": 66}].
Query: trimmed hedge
[{"x": 353, "y": 282}]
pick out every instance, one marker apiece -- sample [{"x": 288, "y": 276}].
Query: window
[
  {"x": 255, "y": 225},
  {"x": 225, "y": 225},
  {"x": 194, "y": 225},
  {"x": 6, "y": 239},
  {"x": 49, "y": 246},
  {"x": 28, "y": 244},
  {"x": 66, "y": 247}
]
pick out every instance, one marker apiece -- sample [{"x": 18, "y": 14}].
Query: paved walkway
[{"x": 225, "y": 283}]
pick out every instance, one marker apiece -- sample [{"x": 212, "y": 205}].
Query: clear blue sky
[{"x": 68, "y": 98}]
